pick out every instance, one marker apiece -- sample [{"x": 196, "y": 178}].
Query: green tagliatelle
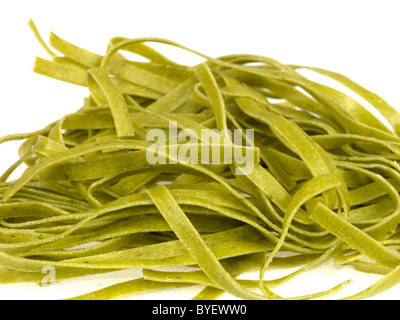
[{"x": 322, "y": 183}]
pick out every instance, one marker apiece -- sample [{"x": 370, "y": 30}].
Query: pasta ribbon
[{"x": 239, "y": 163}]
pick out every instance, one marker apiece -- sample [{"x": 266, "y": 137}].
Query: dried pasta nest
[{"x": 323, "y": 183}]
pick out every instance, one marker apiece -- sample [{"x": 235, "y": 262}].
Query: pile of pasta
[{"x": 324, "y": 185}]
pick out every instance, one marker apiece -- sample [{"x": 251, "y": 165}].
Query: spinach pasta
[{"x": 127, "y": 181}]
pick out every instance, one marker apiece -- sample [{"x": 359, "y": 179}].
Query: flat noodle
[{"x": 216, "y": 168}]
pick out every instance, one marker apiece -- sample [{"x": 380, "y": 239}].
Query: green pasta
[{"x": 237, "y": 164}]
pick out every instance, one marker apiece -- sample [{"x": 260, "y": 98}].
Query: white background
[{"x": 354, "y": 37}]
